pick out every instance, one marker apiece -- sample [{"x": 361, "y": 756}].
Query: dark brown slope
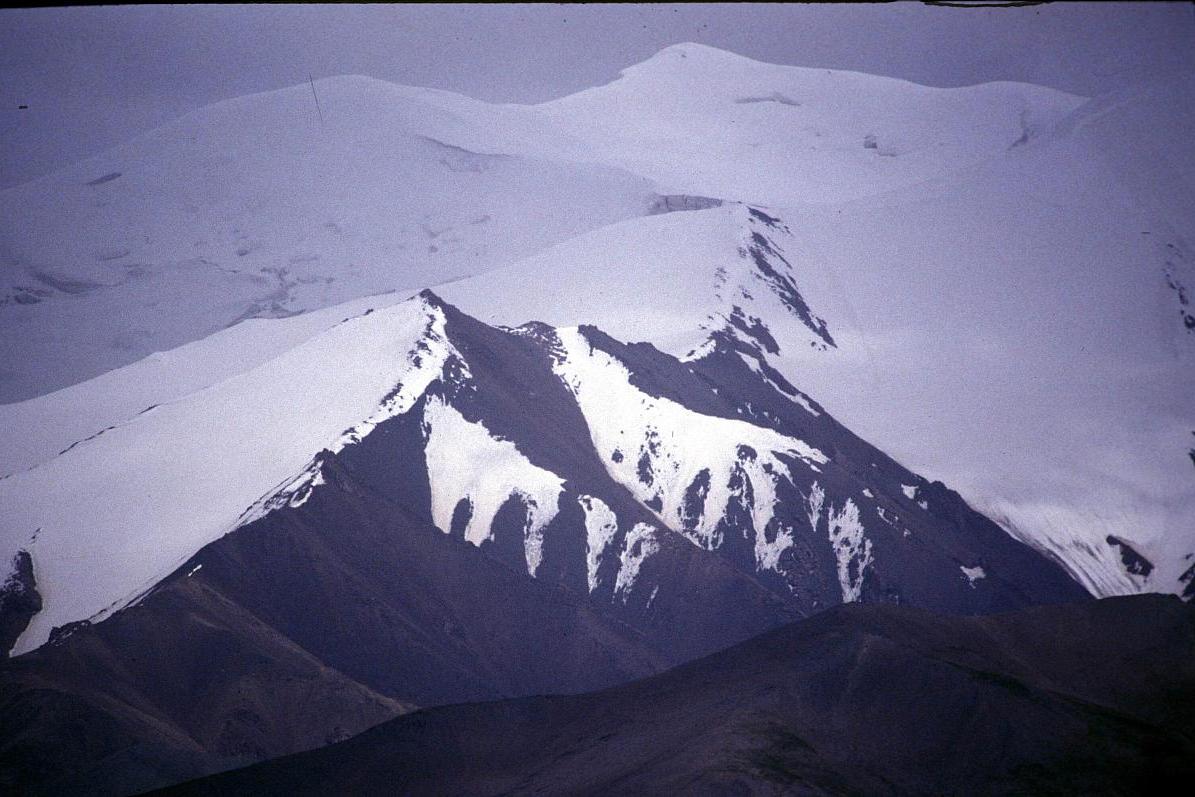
[{"x": 1092, "y": 698}]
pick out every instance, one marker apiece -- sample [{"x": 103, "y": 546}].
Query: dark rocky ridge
[
  {"x": 1130, "y": 557},
  {"x": 19, "y": 601}
]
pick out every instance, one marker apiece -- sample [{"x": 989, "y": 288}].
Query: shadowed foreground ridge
[{"x": 1090, "y": 698}]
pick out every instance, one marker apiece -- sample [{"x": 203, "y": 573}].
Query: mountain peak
[
  {"x": 430, "y": 299},
  {"x": 697, "y": 52},
  {"x": 688, "y": 57}
]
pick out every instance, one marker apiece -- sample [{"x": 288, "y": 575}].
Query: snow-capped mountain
[
  {"x": 706, "y": 350},
  {"x": 748, "y": 476},
  {"x": 468, "y": 512},
  {"x": 947, "y": 264},
  {"x": 937, "y": 229}
]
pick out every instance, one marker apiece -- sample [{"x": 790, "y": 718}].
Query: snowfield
[
  {"x": 254, "y": 208},
  {"x": 467, "y": 463},
  {"x": 704, "y": 121}
]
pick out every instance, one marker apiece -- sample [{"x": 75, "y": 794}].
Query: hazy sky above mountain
[{"x": 93, "y": 77}]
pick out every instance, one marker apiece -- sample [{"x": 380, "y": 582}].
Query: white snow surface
[
  {"x": 601, "y": 526},
  {"x": 681, "y": 118},
  {"x": 1017, "y": 340},
  {"x": 114, "y": 515},
  {"x": 466, "y": 462},
  {"x": 38, "y": 429},
  {"x": 252, "y": 206},
  {"x": 972, "y": 574},
  {"x": 641, "y": 543},
  {"x": 852, "y": 550}
]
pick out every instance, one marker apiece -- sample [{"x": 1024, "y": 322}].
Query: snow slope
[
  {"x": 1028, "y": 345},
  {"x": 115, "y": 514},
  {"x": 705, "y": 121},
  {"x": 651, "y": 449},
  {"x": 38, "y": 429},
  {"x": 266, "y": 206},
  {"x": 467, "y": 463},
  {"x": 670, "y": 279},
  {"x": 257, "y": 207}
]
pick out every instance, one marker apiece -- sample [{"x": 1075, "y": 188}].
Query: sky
[{"x": 92, "y": 77}]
